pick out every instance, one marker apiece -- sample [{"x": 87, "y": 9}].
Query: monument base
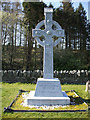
[
  {"x": 48, "y": 92},
  {"x": 40, "y": 101}
]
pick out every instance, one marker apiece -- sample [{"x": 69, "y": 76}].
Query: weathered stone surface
[{"x": 64, "y": 77}]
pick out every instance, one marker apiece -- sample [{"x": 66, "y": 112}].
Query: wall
[{"x": 66, "y": 77}]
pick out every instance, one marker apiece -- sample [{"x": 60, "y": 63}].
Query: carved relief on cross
[{"x": 48, "y": 43}]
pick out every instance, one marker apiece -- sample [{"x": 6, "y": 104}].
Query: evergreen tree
[
  {"x": 33, "y": 14},
  {"x": 64, "y": 16},
  {"x": 50, "y": 5},
  {"x": 81, "y": 25}
]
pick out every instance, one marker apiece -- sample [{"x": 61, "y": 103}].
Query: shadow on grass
[
  {"x": 87, "y": 101},
  {"x": 77, "y": 100}
]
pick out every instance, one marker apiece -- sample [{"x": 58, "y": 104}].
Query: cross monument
[
  {"x": 48, "y": 42},
  {"x": 48, "y": 89}
]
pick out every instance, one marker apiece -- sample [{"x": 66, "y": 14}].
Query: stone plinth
[
  {"x": 48, "y": 88},
  {"x": 48, "y": 92}
]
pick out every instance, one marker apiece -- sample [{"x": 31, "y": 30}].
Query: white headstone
[{"x": 88, "y": 86}]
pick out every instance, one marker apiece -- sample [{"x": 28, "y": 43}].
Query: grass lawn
[{"x": 9, "y": 92}]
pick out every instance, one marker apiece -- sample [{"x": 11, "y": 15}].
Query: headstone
[
  {"x": 88, "y": 86},
  {"x": 48, "y": 89}
]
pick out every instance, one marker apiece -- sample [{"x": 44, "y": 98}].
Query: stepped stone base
[
  {"x": 48, "y": 92},
  {"x": 32, "y": 100}
]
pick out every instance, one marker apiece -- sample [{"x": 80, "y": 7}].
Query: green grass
[{"x": 9, "y": 91}]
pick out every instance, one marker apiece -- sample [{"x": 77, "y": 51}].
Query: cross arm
[
  {"x": 58, "y": 33},
  {"x": 37, "y": 32}
]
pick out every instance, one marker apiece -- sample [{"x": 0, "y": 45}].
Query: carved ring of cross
[{"x": 40, "y": 24}]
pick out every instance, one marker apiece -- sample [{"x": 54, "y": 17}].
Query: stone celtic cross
[{"x": 48, "y": 42}]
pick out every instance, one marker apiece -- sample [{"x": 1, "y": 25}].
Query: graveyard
[
  {"x": 8, "y": 91},
  {"x": 50, "y": 91}
]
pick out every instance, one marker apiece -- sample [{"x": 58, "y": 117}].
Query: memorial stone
[
  {"x": 88, "y": 86},
  {"x": 48, "y": 89}
]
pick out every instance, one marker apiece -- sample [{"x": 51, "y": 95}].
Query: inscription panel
[{"x": 48, "y": 89}]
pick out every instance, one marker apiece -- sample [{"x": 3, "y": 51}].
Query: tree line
[{"x": 19, "y": 49}]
